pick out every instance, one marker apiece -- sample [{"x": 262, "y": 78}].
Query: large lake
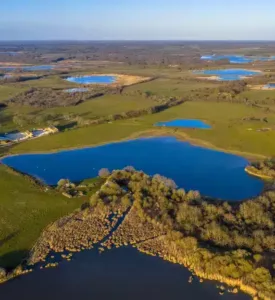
[
  {"x": 94, "y": 79},
  {"x": 122, "y": 273},
  {"x": 237, "y": 59},
  {"x": 229, "y": 74},
  {"x": 213, "y": 173}
]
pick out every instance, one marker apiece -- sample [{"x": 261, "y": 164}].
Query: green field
[
  {"x": 8, "y": 91},
  {"x": 25, "y": 210},
  {"x": 229, "y": 130},
  {"x": 91, "y": 109}
]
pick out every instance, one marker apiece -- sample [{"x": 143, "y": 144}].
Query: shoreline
[
  {"x": 262, "y": 176},
  {"x": 122, "y": 80},
  {"x": 151, "y": 133}
]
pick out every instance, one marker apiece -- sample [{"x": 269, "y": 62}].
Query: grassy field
[
  {"x": 102, "y": 106},
  {"x": 25, "y": 210},
  {"x": 8, "y": 91},
  {"x": 95, "y": 108},
  {"x": 229, "y": 130},
  {"x": 171, "y": 87}
]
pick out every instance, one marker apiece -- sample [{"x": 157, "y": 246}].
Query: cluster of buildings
[{"x": 22, "y": 136}]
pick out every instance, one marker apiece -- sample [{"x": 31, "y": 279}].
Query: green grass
[
  {"x": 8, "y": 91},
  {"x": 229, "y": 131},
  {"x": 81, "y": 137},
  {"x": 170, "y": 87},
  {"x": 53, "y": 81},
  {"x": 103, "y": 106},
  {"x": 25, "y": 210},
  {"x": 259, "y": 95},
  {"x": 91, "y": 109}
]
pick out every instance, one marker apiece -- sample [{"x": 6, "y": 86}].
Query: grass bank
[
  {"x": 229, "y": 131},
  {"x": 25, "y": 210}
]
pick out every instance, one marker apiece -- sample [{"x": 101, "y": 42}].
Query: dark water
[
  {"x": 229, "y": 74},
  {"x": 185, "y": 123},
  {"x": 213, "y": 173},
  {"x": 96, "y": 79},
  {"x": 123, "y": 274}
]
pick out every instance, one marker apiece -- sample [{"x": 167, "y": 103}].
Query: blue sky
[{"x": 137, "y": 19}]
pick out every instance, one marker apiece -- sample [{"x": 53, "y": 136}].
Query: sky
[{"x": 137, "y": 20}]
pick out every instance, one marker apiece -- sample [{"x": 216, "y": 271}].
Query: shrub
[{"x": 104, "y": 173}]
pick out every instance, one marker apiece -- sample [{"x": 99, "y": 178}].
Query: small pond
[
  {"x": 213, "y": 173},
  {"x": 93, "y": 79},
  {"x": 229, "y": 74},
  {"x": 76, "y": 90},
  {"x": 122, "y": 273},
  {"x": 6, "y": 76},
  {"x": 237, "y": 59},
  {"x": 185, "y": 123},
  {"x": 270, "y": 86}
]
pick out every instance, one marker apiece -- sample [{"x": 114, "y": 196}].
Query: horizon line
[{"x": 137, "y": 40}]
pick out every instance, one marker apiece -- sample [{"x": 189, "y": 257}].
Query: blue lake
[
  {"x": 27, "y": 68},
  {"x": 76, "y": 90},
  {"x": 270, "y": 86},
  {"x": 229, "y": 74},
  {"x": 213, "y": 173},
  {"x": 237, "y": 59},
  {"x": 185, "y": 123},
  {"x": 94, "y": 79}
]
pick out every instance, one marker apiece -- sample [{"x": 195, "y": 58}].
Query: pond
[
  {"x": 213, "y": 173},
  {"x": 6, "y": 76},
  {"x": 27, "y": 68},
  {"x": 185, "y": 123},
  {"x": 270, "y": 86},
  {"x": 122, "y": 273},
  {"x": 76, "y": 90},
  {"x": 237, "y": 59},
  {"x": 92, "y": 79},
  {"x": 229, "y": 74}
]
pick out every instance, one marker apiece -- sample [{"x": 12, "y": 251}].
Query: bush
[{"x": 104, "y": 173}]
